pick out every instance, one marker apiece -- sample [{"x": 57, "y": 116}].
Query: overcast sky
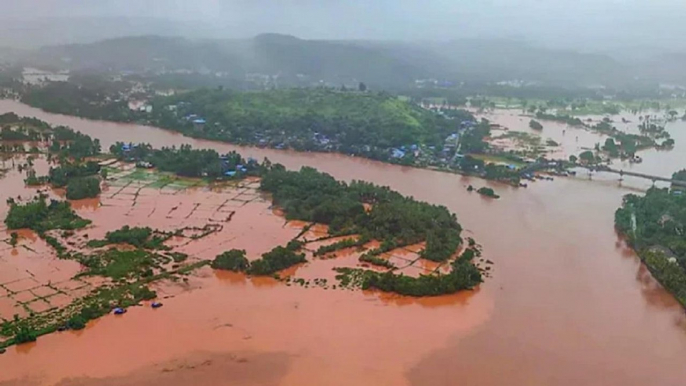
[{"x": 581, "y": 22}]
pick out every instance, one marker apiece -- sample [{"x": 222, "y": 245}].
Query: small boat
[
  {"x": 156, "y": 305},
  {"x": 119, "y": 311}
]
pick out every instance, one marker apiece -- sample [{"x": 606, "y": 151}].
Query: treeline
[
  {"x": 680, "y": 175},
  {"x": 69, "y": 143},
  {"x": 660, "y": 220},
  {"x": 463, "y": 275},
  {"x": 16, "y": 128},
  {"x": 563, "y": 118},
  {"x": 66, "y": 142},
  {"x": 270, "y": 263},
  {"x": 342, "y": 244},
  {"x": 93, "y": 101}
]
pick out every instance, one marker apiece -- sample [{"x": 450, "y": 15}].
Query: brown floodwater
[{"x": 567, "y": 302}]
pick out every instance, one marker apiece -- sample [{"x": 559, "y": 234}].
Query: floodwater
[{"x": 567, "y": 302}]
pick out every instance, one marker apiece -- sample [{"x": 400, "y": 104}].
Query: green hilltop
[{"x": 305, "y": 119}]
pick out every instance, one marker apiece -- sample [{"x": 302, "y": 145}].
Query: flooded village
[
  {"x": 298, "y": 329},
  {"x": 386, "y": 193}
]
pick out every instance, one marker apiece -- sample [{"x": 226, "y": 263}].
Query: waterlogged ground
[
  {"x": 570, "y": 140},
  {"x": 210, "y": 220},
  {"x": 569, "y": 304},
  {"x": 213, "y": 218}
]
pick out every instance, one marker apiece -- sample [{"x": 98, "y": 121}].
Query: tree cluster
[
  {"x": 59, "y": 176},
  {"x": 463, "y": 275},
  {"x": 271, "y": 262},
  {"x": 83, "y": 187},
  {"x": 317, "y": 197},
  {"x": 41, "y": 216},
  {"x": 72, "y": 144},
  {"x": 654, "y": 225},
  {"x": 186, "y": 161}
]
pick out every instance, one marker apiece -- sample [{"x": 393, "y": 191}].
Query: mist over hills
[
  {"x": 383, "y": 63},
  {"x": 157, "y": 45}
]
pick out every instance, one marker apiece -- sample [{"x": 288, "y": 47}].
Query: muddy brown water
[{"x": 568, "y": 303}]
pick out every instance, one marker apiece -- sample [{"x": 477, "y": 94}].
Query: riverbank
[
  {"x": 653, "y": 225},
  {"x": 402, "y": 133}
]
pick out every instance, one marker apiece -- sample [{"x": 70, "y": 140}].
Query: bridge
[{"x": 653, "y": 178}]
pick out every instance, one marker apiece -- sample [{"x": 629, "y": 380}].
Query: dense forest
[{"x": 654, "y": 225}]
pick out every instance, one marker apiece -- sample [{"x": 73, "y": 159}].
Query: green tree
[
  {"x": 587, "y": 156},
  {"x": 233, "y": 260},
  {"x": 535, "y": 125},
  {"x": 84, "y": 187}
]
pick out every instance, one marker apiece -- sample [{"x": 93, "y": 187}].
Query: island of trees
[
  {"x": 535, "y": 125},
  {"x": 394, "y": 220},
  {"x": 488, "y": 192}
]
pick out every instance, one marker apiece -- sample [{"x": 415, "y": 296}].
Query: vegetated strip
[{"x": 654, "y": 226}]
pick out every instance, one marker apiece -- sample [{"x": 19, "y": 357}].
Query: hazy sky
[{"x": 581, "y": 22}]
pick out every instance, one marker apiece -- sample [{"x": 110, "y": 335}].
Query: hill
[
  {"x": 368, "y": 124},
  {"x": 290, "y": 60}
]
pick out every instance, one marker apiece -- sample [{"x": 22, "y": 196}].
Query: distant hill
[
  {"x": 509, "y": 59},
  {"x": 336, "y": 62}
]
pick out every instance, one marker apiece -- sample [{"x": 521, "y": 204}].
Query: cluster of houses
[
  {"x": 198, "y": 122},
  {"x": 449, "y": 152},
  {"x": 229, "y": 170}
]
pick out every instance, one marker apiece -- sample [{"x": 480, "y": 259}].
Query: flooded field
[
  {"x": 567, "y": 302},
  {"x": 571, "y": 141}
]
